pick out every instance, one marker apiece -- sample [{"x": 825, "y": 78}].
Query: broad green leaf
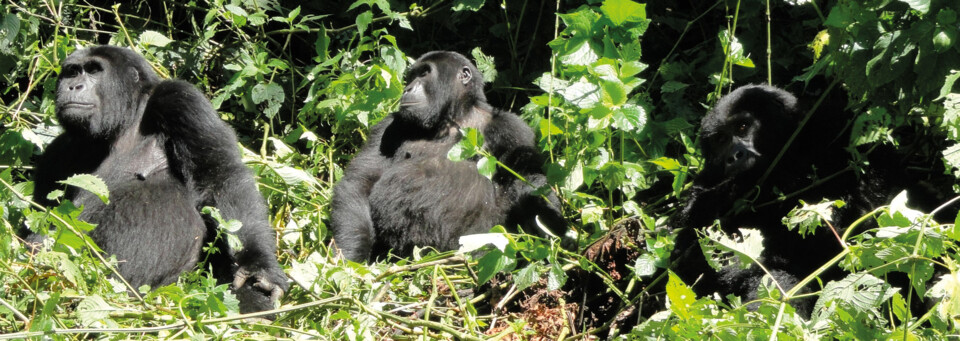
[
  {"x": 630, "y": 118},
  {"x": 473, "y": 242},
  {"x": 556, "y": 277},
  {"x": 90, "y": 183},
  {"x": 487, "y": 166},
  {"x": 746, "y": 251},
  {"x": 154, "y": 38},
  {"x": 293, "y": 176},
  {"x": 491, "y": 264},
  {"x": 527, "y": 276},
  {"x": 581, "y": 54},
  {"x": 645, "y": 265},
  {"x": 621, "y": 11},
  {"x": 582, "y": 94},
  {"x": 272, "y": 93},
  {"x": 363, "y": 20},
  {"x": 808, "y": 218},
  {"x": 922, "y": 6},
  {"x": 947, "y": 289},
  {"x": 681, "y": 297},
  {"x": 861, "y": 292},
  {"x": 93, "y": 309}
]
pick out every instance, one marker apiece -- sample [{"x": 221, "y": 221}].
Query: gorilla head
[
  {"x": 441, "y": 85},
  {"x": 100, "y": 90},
  {"x": 745, "y": 131}
]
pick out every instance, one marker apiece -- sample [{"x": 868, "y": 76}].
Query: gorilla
[
  {"x": 739, "y": 140},
  {"x": 163, "y": 153},
  {"x": 401, "y": 190}
]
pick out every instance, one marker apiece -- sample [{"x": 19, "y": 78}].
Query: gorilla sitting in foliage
[
  {"x": 740, "y": 138},
  {"x": 164, "y": 154},
  {"x": 401, "y": 190}
]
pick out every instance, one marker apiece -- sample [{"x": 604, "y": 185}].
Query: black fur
[
  {"x": 401, "y": 190},
  {"x": 739, "y": 139},
  {"x": 164, "y": 154}
]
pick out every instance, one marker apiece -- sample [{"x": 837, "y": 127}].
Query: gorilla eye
[
  {"x": 92, "y": 67},
  {"x": 424, "y": 72},
  {"x": 742, "y": 127},
  {"x": 70, "y": 71}
]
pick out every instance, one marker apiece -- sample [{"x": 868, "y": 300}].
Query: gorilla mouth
[
  {"x": 77, "y": 105},
  {"x": 407, "y": 104}
]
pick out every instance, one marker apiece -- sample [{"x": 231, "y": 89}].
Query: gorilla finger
[{"x": 240, "y": 278}]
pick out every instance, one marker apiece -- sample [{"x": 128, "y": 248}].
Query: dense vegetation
[{"x": 615, "y": 90}]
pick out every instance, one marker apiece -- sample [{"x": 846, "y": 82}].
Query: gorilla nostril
[
  {"x": 77, "y": 87},
  {"x": 738, "y": 155}
]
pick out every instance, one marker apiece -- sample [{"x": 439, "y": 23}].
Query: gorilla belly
[
  {"x": 157, "y": 209},
  {"x": 432, "y": 201}
]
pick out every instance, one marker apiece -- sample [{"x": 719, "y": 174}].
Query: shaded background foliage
[{"x": 614, "y": 90}]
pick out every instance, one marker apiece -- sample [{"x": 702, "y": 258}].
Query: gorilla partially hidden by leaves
[
  {"x": 740, "y": 138},
  {"x": 164, "y": 154},
  {"x": 401, "y": 190}
]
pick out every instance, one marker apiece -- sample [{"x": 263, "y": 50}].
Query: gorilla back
[{"x": 164, "y": 153}]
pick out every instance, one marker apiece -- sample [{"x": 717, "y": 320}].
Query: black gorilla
[
  {"x": 401, "y": 190},
  {"x": 164, "y": 154},
  {"x": 739, "y": 139}
]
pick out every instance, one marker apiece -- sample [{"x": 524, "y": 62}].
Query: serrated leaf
[
  {"x": 154, "y": 38},
  {"x": 90, "y": 183},
  {"x": 630, "y": 118},
  {"x": 621, "y": 11},
  {"x": 747, "y": 250},
  {"x": 556, "y": 277},
  {"x": 272, "y": 93},
  {"x": 527, "y": 276},
  {"x": 681, "y": 296},
  {"x": 363, "y": 20},
  {"x": 646, "y": 265},
  {"x": 485, "y": 64},
  {"x": 861, "y": 292},
  {"x": 808, "y": 218},
  {"x": 93, "y": 309},
  {"x": 582, "y": 93},
  {"x": 293, "y": 176}
]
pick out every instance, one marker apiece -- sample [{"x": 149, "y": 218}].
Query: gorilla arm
[
  {"x": 202, "y": 150},
  {"x": 510, "y": 140},
  {"x": 350, "y": 218}
]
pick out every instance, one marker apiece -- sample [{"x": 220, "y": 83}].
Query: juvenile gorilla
[
  {"x": 740, "y": 138},
  {"x": 401, "y": 190},
  {"x": 164, "y": 154}
]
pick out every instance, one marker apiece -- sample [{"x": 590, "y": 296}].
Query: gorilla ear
[
  {"x": 465, "y": 75},
  {"x": 134, "y": 74}
]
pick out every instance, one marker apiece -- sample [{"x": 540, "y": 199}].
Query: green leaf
[
  {"x": 89, "y": 183},
  {"x": 487, "y": 166},
  {"x": 556, "y": 277},
  {"x": 717, "y": 245},
  {"x": 93, "y": 309},
  {"x": 646, "y": 265},
  {"x": 681, "y": 297},
  {"x": 630, "y": 118},
  {"x": 485, "y": 64},
  {"x": 527, "y": 276},
  {"x": 363, "y": 20},
  {"x": 861, "y": 292},
  {"x": 467, "y": 5},
  {"x": 473, "y": 242},
  {"x": 491, "y": 264},
  {"x": 272, "y": 93},
  {"x": 922, "y": 6},
  {"x": 808, "y": 218},
  {"x": 621, "y": 11}
]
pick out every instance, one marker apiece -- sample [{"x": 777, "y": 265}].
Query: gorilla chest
[{"x": 133, "y": 171}]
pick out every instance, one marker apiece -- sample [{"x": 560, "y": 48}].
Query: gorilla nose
[
  {"x": 734, "y": 157},
  {"x": 76, "y": 87}
]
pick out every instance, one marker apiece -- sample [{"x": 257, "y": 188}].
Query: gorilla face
[
  {"x": 97, "y": 99},
  {"x": 746, "y": 130},
  {"x": 440, "y": 85}
]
